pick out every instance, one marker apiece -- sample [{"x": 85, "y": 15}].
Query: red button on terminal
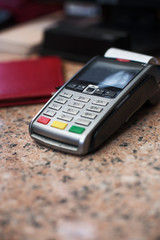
[{"x": 43, "y": 120}]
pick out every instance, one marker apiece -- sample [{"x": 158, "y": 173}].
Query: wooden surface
[
  {"x": 112, "y": 194},
  {"x": 24, "y": 38}
]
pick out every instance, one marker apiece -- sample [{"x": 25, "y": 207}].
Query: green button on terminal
[{"x": 76, "y": 129}]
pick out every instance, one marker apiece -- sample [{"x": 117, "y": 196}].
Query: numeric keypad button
[
  {"x": 83, "y": 122},
  {"x": 49, "y": 112},
  {"x": 60, "y": 100},
  {"x": 95, "y": 109},
  {"x": 100, "y": 102},
  {"x": 76, "y": 105},
  {"x": 65, "y": 117},
  {"x": 55, "y": 106},
  {"x": 66, "y": 94},
  {"x": 89, "y": 115},
  {"x": 71, "y": 111},
  {"x": 82, "y": 99}
]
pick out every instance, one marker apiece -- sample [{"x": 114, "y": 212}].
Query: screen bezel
[{"x": 120, "y": 62}]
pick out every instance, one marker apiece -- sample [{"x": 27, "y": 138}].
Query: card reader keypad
[{"x": 72, "y": 112}]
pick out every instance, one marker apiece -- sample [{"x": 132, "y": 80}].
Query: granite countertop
[{"x": 112, "y": 194}]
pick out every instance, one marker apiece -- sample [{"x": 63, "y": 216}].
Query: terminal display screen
[{"x": 107, "y": 74}]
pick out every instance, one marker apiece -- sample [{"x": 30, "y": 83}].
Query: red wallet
[{"x": 29, "y": 81}]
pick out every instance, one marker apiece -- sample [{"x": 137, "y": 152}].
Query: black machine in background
[{"x": 131, "y": 25}]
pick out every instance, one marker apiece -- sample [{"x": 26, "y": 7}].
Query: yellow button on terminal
[{"x": 59, "y": 125}]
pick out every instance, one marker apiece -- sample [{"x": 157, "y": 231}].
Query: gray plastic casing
[{"x": 118, "y": 110}]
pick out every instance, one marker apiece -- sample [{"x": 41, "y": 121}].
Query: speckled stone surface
[{"x": 112, "y": 194}]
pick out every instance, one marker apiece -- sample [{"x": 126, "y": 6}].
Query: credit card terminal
[{"x": 97, "y": 101}]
